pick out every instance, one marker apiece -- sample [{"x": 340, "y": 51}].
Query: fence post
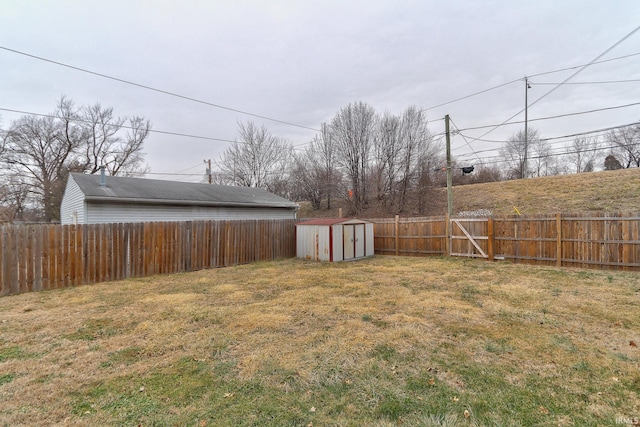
[
  {"x": 490, "y": 238},
  {"x": 559, "y": 239},
  {"x": 397, "y": 228}
]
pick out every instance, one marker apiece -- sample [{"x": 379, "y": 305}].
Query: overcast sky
[{"x": 301, "y": 61}]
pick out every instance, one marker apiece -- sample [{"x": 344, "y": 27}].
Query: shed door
[
  {"x": 349, "y": 236},
  {"x": 359, "y": 240}
]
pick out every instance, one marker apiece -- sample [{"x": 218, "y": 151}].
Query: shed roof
[
  {"x": 154, "y": 191},
  {"x": 332, "y": 221}
]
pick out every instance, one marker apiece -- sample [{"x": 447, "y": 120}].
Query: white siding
[
  {"x": 348, "y": 241},
  {"x": 124, "y": 212},
  {"x": 337, "y": 231},
  {"x": 314, "y": 242},
  {"x": 310, "y": 243},
  {"x": 369, "y": 248},
  {"x": 72, "y": 207},
  {"x": 336, "y": 242}
]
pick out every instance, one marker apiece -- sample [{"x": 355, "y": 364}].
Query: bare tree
[
  {"x": 127, "y": 157},
  {"x": 353, "y": 130},
  {"x": 36, "y": 151},
  {"x": 307, "y": 179},
  {"x": 323, "y": 155},
  {"x": 540, "y": 157},
  {"x": 556, "y": 165},
  {"x": 15, "y": 198},
  {"x": 256, "y": 158},
  {"x": 416, "y": 148},
  {"x": 626, "y": 141},
  {"x": 516, "y": 151},
  {"x": 315, "y": 172},
  {"x": 427, "y": 179},
  {"x": 39, "y": 152},
  {"x": 387, "y": 149},
  {"x": 582, "y": 153},
  {"x": 102, "y": 140}
]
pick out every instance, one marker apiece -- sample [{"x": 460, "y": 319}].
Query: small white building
[
  {"x": 96, "y": 199},
  {"x": 334, "y": 239}
]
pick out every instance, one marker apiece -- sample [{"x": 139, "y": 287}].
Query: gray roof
[{"x": 155, "y": 191}]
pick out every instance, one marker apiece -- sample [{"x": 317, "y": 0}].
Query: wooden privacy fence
[
  {"x": 607, "y": 241},
  {"x": 41, "y": 257}
]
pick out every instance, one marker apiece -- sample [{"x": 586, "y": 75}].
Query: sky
[{"x": 301, "y": 61}]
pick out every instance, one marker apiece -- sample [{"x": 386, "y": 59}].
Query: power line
[
  {"x": 590, "y": 132},
  {"x": 174, "y": 173},
  {"x": 587, "y": 83},
  {"x": 555, "y": 117},
  {"x": 469, "y": 145},
  {"x": 190, "y": 167},
  {"x": 180, "y": 172},
  {"x": 532, "y": 75},
  {"x": 472, "y": 95},
  {"x": 464, "y": 138},
  {"x": 184, "y": 135},
  {"x": 188, "y": 98},
  {"x": 564, "y": 153},
  {"x": 578, "y": 66},
  {"x": 584, "y": 67},
  {"x": 555, "y": 138},
  {"x": 164, "y": 132}
]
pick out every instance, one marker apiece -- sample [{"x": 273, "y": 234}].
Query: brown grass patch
[{"x": 369, "y": 342}]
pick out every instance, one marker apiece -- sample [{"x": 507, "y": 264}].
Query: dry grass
[
  {"x": 605, "y": 191},
  {"x": 374, "y": 342}
]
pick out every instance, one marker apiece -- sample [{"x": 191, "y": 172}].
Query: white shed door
[
  {"x": 348, "y": 233},
  {"x": 359, "y": 240}
]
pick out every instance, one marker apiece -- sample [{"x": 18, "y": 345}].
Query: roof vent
[{"x": 103, "y": 177}]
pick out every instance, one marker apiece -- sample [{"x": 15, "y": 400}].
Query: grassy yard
[{"x": 382, "y": 342}]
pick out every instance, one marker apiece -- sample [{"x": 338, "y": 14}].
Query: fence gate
[{"x": 469, "y": 237}]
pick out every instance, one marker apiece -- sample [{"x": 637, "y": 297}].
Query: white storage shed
[{"x": 334, "y": 239}]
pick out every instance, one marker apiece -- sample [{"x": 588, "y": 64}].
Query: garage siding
[
  {"x": 98, "y": 213},
  {"x": 72, "y": 208}
]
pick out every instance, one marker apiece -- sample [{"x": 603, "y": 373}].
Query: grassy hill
[{"x": 604, "y": 191}]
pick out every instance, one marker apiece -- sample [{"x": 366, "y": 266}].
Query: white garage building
[{"x": 95, "y": 199}]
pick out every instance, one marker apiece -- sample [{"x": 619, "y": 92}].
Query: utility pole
[
  {"x": 523, "y": 173},
  {"x": 208, "y": 162},
  {"x": 449, "y": 172}
]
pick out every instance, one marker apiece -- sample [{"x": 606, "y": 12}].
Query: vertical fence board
[
  {"x": 51, "y": 259},
  {"x": 29, "y": 260},
  {"x": 37, "y": 259},
  {"x": 87, "y": 252},
  {"x": 4, "y": 289},
  {"x": 21, "y": 269},
  {"x": 108, "y": 246},
  {"x": 11, "y": 278}
]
